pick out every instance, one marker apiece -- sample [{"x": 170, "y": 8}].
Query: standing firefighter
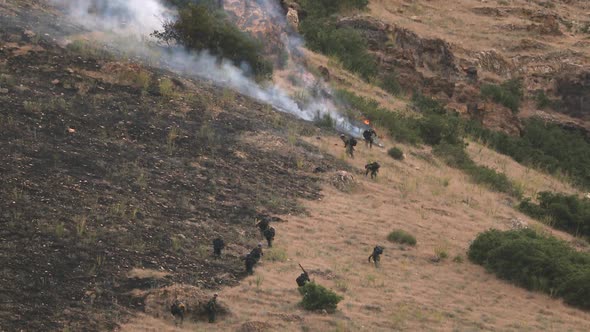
[
  {"x": 212, "y": 308},
  {"x": 257, "y": 253},
  {"x": 349, "y": 144},
  {"x": 377, "y": 251},
  {"x": 178, "y": 309},
  {"x": 369, "y": 135},
  {"x": 218, "y": 245},
  {"x": 372, "y": 168},
  {"x": 269, "y": 234},
  {"x": 303, "y": 277},
  {"x": 250, "y": 262}
]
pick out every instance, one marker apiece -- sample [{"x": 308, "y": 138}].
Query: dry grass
[
  {"x": 530, "y": 180},
  {"x": 408, "y": 291},
  {"x": 456, "y": 22}
]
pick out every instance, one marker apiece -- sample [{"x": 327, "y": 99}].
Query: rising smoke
[{"x": 137, "y": 19}]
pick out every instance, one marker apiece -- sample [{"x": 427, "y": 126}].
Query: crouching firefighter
[
  {"x": 372, "y": 168},
  {"x": 303, "y": 278}
]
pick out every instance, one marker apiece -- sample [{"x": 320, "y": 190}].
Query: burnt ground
[{"x": 99, "y": 176}]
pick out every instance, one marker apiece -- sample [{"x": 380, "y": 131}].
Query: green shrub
[
  {"x": 541, "y": 100},
  {"x": 535, "y": 262},
  {"x": 453, "y": 155},
  {"x": 324, "y": 121},
  {"x": 325, "y": 8},
  {"x": 567, "y": 212},
  {"x": 317, "y": 297},
  {"x": 346, "y": 44},
  {"x": 427, "y": 105},
  {"x": 436, "y": 129},
  {"x": 276, "y": 255},
  {"x": 456, "y": 156},
  {"x": 322, "y": 34},
  {"x": 401, "y": 236},
  {"x": 166, "y": 88},
  {"x": 391, "y": 84},
  {"x": 544, "y": 146},
  {"x": 508, "y": 93},
  {"x": 200, "y": 27},
  {"x": 396, "y": 153}
]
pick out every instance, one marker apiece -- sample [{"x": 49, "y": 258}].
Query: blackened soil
[{"x": 98, "y": 178}]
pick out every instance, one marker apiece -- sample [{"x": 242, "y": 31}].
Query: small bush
[
  {"x": 166, "y": 88},
  {"x": 324, "y": 121},
  {"x": 458, "y": 259},
  {"x": 276, "y": 255},
  {"x": 508, "y": 93},
  {"x": 317, "y": 297},
  {"x": 396, "y": 153},
  {"x": 7, "y": 81},
  {"x": 440, "y": 253},
  {"x": 535, "y": 262},
  {"x": 401, "y": 236}
]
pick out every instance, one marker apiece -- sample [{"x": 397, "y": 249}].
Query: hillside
[
  {"x": 544, "y": 42},
  {"x": 109, "y": 166},
  {"x": 119, "y": 169}
]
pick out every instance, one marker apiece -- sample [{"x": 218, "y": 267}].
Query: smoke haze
[{"x": 134, "y": 21}]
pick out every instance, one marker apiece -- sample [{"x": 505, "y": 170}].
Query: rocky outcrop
[
  {"x": 264, "y": 20},
  {"x": 499, "y": 118},
  {"x": 573, "y": 87},
  {"x": 422, "y": 64}
]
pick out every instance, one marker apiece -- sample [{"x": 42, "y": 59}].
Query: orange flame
[{"x": 367, "y": 122}]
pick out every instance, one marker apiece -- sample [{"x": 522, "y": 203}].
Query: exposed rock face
[
  {"x": 265, "y": 20},
  {"x": 423, "y": 64},
  {"x": 293, "y": 18},
  {"x": 574, "y": 90}
]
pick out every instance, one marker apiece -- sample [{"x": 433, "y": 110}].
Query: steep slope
[
  {"x": 410, "y": 291},
  {"x": 117, "y": 176},
  {"x": 109, "y": 166},
  {"x": 545, "y": 43}
]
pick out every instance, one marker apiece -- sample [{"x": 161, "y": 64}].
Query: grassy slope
[
  {"x": 409, "y": 291},
  {"x": 433, "y": 202}
]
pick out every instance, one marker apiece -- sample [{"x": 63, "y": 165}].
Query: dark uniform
[
  {"x": 373, "y": 168},
  {"x": 302, "y": 279},
  {"x": 212, "y": 308},
  {"x": 471, "y": 74},
  {"x": 263, "y": 224},
  {"x": 349, "y": 144},
  {"x": 269, "y": 234},
  {"x": 257, "y": 253},
  {"x": 377, "y": 251},
  {"x": 218, "y": 245},
  {"x": 250, "y": 262},
  {"x": 177, "y": 309},
  {"x": 369, "y": 136}
]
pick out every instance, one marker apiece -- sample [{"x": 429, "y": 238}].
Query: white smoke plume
[{"x": 137, "y": 19}]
